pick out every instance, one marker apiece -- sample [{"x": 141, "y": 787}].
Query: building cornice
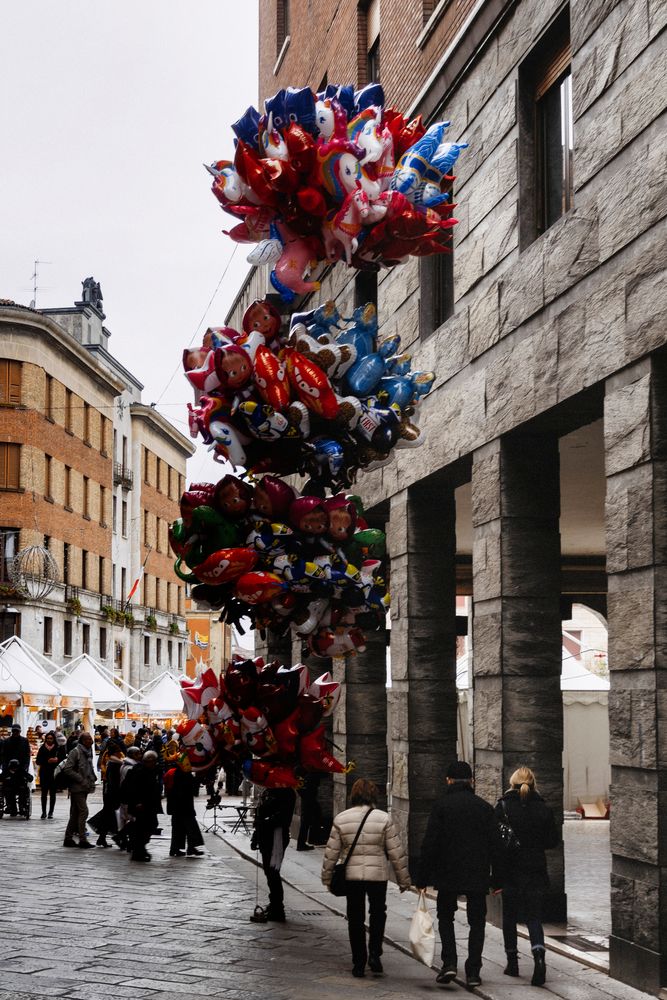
[
  {"x": 18, "y": 317},
  {"x": 139, "y": 411}
]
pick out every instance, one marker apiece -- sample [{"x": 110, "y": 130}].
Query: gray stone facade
[{"x": 546, "y": 337}]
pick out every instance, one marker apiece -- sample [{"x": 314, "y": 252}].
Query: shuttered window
[
  {"x": 10, "y": 382},
  {"x": 10, "y": 466}
]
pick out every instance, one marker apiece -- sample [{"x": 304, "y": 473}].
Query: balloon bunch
[
  {"x": 288, "y": 562},
  {"x": 323, "y": 400},
  {"x": 332, "y": 176},
  {"x": 267, "y": 716}
]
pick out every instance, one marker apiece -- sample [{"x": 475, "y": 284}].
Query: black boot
[
  {"x": 540, "y": 972},
  {"x": 512, "y": 967}
]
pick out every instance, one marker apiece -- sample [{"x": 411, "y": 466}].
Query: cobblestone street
[{"x": 88, "y": 925}]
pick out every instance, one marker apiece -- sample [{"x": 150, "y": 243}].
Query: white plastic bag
[{"x": 422, "y": 935}]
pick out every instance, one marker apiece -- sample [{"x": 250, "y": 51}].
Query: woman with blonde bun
[{"x": 526, "y": 876}]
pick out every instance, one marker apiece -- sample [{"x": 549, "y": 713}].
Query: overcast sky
[{"x": 107, "y": 112}]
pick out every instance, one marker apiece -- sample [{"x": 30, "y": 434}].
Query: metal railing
[{"x": 122, "y": 475}]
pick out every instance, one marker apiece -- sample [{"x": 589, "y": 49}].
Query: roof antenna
[{"x": 34, "y": 278}]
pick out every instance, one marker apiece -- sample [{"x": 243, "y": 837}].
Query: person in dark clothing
[
  {"x": 526, "y": 875},
  {"x": 104, "y": 822},
  {"x": 179, "y": 783},
  {"x": 271, "y": 836},
  {"x": 16, "y": 787},
  {"x": 140, "y": 792},
  {"x": 48, "y": 757},
  {"x": 16, "y": 747},
  {"x": 460, "y": 856},
  {"x": 311, "y": 814}
]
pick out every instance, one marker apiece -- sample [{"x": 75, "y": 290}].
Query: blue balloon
[{"x": 247, "y": 127}]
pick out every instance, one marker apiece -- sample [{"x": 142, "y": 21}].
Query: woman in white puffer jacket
[{"x": 367, "y": 871}]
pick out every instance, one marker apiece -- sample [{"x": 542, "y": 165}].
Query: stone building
[
  {"x": 542, "y": 478},
  {"x": 95, "y": 475}
]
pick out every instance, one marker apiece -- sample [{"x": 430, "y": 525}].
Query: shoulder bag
[
  {"x": 508, "y": 838},
  {"x": 338, "y": 884}
]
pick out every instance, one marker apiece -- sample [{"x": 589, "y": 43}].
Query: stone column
[
  {"x": 518, "y": 712},
  {"x": 422, "y": 547},
  {"x": 635, "y": 425}
]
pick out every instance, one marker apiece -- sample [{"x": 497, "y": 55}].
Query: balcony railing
[{"x": 122, "y": 476}]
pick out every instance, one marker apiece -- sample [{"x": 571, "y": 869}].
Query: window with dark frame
[
  {"x": 103, "y": 504},
  {"x": 124, "y": 519},
  {"x": 85, "y": 638},
  {"x": 373, "y": 62},
  {"x": 66, "y": 562},
  {"x": 365, "y": 288},
  {"x": 48, "y": 635},
  {"x": 84, "y": 569},
  {"x": 147, "y": 650},
  {"x": 546, "y": 137},
  {"x": 158, "y": 652},
  {"x": 86, "y": 423},
  {"x": 368, "y": 36},
  {"x": 67, "y": 637},
  {"x": 68, "y": 410},
  {"x": 68, "y": 487},
  {"x": 48, "y": 477},
  {"x": 114, "y": 515},
  {"x": 9, "y": 546},
  {"x": 10, "y": 382},
  {"x": 86, "y": 496},
  {"x": 48, "y": 409},
  {"x": 436, "y": 291},
  {"x": 282, "y": 24},
  {"x": 100, "y": 575},
  {"x": 10, "y": 466},
  {"x": 103, "y": 643}
]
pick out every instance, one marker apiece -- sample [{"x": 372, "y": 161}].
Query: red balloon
[
  {"x": 257, "y": 588},
  {"x": 271, "y": 775},
  {"x": 314, "y": 755},
  {"x": 270, "y": 379},
  {"x": 311, "y": 385},
  {"x": 225, "y": 565},
  {"x": 287, "y": 734}
]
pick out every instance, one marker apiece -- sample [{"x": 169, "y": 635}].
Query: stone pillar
[
  {"x": 635, "y": 426},
  {"x": 518, "y": 712},
  {"x": 422, "y": 547}
]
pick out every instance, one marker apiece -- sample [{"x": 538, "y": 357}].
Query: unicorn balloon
[{"x": 420, "y": 171}]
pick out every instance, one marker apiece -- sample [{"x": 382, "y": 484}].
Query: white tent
[
  {"x": 163, "y": 696},
  {"x": 108, "y": 693},
  {"x": 23, "y": 680}
]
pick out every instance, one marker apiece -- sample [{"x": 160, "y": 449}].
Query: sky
[{"x": 107, "y": 112}]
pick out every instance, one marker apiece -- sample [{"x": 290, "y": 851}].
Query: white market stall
[
  {"x": 164, "y": 699},
  {"x": 108, "y": 692},
  {"x": 26, "y": 687}
]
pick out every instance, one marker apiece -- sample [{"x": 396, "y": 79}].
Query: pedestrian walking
[
  {"x": 140, "y": 792},
  {"x": 526, "y": 874},
  {"x": 271, "y": 836},
  {"x": 78, "y": 772},
  {"x": 179, "y": 783},
  {"x": 311, "y": 814},
  {"x": 461, "y": 856},
  {"x": 104, "y": 822},
  {"x": 48, "y": 757},
  {"x": 377, "y": 846},
  {"x": 16, "y": 747}
]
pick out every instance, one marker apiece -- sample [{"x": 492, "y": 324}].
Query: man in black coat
[
  {"x": 271, "y": 836},
  {"x": 16, "y": 747},
  {"x": 460, "y": 856},
  {"x": 141, "y": 793}
]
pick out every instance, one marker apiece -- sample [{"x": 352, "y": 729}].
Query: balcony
[{"x": 122, "y": 476}]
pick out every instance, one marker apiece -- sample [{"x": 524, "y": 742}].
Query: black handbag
[
  {"x": 508, "y": 838},
  {"x": 338, "y": 884}
]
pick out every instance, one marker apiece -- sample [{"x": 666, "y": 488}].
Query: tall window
[
  {"x": 282, "y": 24},
  {"x": 86, "y": 496},
  {"x": 123, "y": 584},
  {"x": 84, "y": 569},
  {"x": 48, "y": 635},
  {"x": 124, "y": 518},
  {"x": 436, "y": 291},
  {"x": 124, "y": 457},
  {"x": 546, "y": 137},
  {"x": 9, "y": 546},
  {"x": 85, "y": 638},
  {"x": 144, "y": 455},
  {"x": 10, "y": 382},
  {"x": 103, "y": 506},
  {"x": 10, "y": 466},
  {"x": 66, "y": 566},
  {"x": 146, "y": 527},
  {"x": 67, "y": 642},
  {"x": 147, "y": 650},
  {"x": 48, "y": 409},
  {"x": 68, "y": 410},
  {"x": 115, "y": 444},
  {"x": 158, "y": 652},
  {"x": 170, "y": 652},
  {"x": 368, "y": 20},
  {"x": 365, "y": 288},
  {"x": 104, "y": 428},
  {"x": 103, "y": 643},
  {"x": 100, "y": 575},
  {"x": 48, "y": 477},
  {"x": 114, "y": 522},
  {"x": 68, "y": 487},
  {"x": 158, "y": 533},
  {"x": 86, "y": 423}
]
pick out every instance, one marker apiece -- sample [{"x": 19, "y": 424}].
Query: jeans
[
  {"x": 78, "y": 814},
  {"x": 48, "y": 790},
  {"x": 476, "y": 910},
  {"x": 356, "y": 918},
  {"x": 273, "y": 881},
  {"x": 529, "y": 901}
]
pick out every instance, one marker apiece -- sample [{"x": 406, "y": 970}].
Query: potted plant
[
  {"x": 74, "y": 606},
  {"x": 128, "y": 618},
  {"x": 151, "y": 623},
  {"x": 174, "y": 629},
  {"x": 110, "y": 614}
]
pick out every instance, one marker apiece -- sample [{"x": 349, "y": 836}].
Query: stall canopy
[
  {"x": 108, "y": 693},
  {"x": 163, "y": 696},
  {"x": 23, "y": 678}
]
